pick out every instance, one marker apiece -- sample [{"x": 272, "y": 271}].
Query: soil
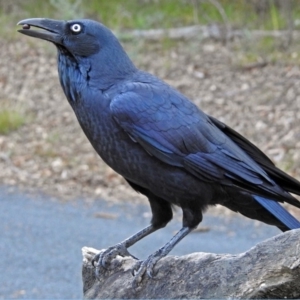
[{"x": 51, "y": 154}]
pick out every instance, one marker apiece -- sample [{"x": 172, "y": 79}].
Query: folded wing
[{"x": 171, "y": 128}]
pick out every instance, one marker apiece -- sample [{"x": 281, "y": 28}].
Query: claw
[
  {"x": 147, "y": 266},
  {"x": 106, "y": 257},
  {"x": 95, "y": 259},
  {"x": 103, "y": 259},
  {"x": 139, "y": 274},
  {"x": 150, "y": 273},
  {"x": 136, "y": 268},
  {"x": 137, "y": 278}
]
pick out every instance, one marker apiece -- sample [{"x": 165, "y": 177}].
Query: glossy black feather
[
  {"x": 172, "y": 129},
  {"x": 159, "y": 141}
]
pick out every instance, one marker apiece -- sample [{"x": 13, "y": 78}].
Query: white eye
[{"x": 76, "y": 28}]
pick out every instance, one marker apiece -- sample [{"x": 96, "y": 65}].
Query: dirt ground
[{"x": 51, "y": 154}]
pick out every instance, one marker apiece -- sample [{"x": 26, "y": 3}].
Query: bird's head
[{"x": 83, "y": 44}]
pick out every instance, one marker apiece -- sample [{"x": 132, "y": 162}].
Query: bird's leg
[
  {"x": 148, "y": 264},
  {"x": 192, "y": 216},
  {"x": 103, "y": 258},
  {"x": 161, "y": 215}
]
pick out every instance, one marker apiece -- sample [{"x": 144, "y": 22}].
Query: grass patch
[
  {"x": 145, "y": 14},
  {"x": 10, "y": 119},
  {"x": 150, "y": 14},
  {"x": 266, "y": 49}
]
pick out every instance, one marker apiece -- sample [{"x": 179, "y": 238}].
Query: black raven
[{"x": 159, "y": 141}]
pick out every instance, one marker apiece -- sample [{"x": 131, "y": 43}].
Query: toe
[
  {"x": 139, "y": 274},
  {"x": 106, "y": 257},
  {"x": 95, "y": 260},
  {"x": 150, "y": 272}
]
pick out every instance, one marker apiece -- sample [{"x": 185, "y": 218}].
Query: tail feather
[{"x": 278, "y": 212}]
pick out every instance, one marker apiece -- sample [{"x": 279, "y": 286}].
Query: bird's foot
[
  {"x": 103, "y": 259},
  {"x": 147, "y": 267}
]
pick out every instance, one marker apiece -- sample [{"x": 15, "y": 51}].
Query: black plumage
[{"x": 159, "y": 141}]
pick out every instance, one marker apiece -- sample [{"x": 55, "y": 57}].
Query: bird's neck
[
  {"x": 72, "y": 79},
  {"x": 99, "y": 72},
  {"x": 110, "y": 66}
]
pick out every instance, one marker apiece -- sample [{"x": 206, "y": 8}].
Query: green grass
[
  {"x": 148, "y": 14},
  {"x": 10, "y": 120},
  {"x": 145, "y": 14},
  {"x": 266, "y": 49}
]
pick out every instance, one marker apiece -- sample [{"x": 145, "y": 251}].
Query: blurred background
[{"x": 237, "y": 60}]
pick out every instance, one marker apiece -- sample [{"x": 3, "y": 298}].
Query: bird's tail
[{"x": 278, "y": 212}]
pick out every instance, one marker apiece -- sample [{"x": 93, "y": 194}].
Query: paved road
[{"x": 41, "y": 240}]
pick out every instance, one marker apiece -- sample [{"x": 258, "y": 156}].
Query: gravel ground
[{"x": 51, "y": 154}]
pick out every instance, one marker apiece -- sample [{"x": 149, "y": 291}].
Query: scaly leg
[
  {"x": 148, "y": 264},
  {"x": 104, "y": 258},
  {"x": 192, "y": 216},
  {"x": 162, "y": 214}
]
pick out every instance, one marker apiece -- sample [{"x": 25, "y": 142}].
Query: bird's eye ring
[{"x": 76, "y": 28}]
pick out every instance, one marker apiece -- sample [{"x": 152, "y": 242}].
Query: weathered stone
[{"x": 271, "y": 269}]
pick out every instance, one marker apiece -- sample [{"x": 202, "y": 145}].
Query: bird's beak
[{"x": 48, "y": 29}]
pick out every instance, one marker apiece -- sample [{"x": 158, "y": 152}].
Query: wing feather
[{"x": 171, "y": 128}]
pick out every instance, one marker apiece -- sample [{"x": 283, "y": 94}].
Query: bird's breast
[
  {"x": 114, "y": 145},
  {"x": 109, "y": 140},
  {"x": 128, "y": 158}
]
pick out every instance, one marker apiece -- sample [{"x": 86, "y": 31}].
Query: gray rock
[{"x": 271, "y": 269}]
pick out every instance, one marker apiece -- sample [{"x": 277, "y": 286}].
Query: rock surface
[{"x": 271, "y": 269}]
